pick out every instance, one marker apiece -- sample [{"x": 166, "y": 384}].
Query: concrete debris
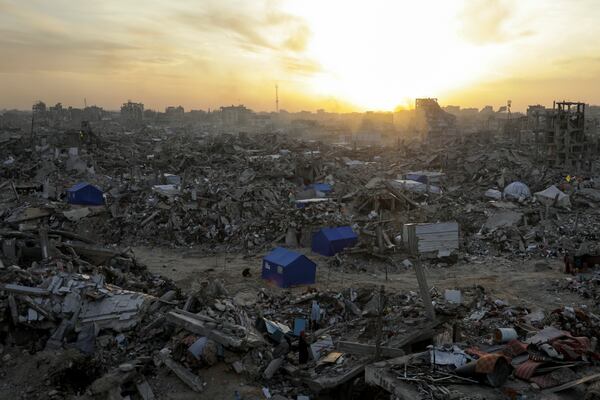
[
  {"x": 453, "y": 296},
  {"x": 493, "y": 194},
  {"x": 77, "y": 214},
  {"x": 193, "y": 381},
  {"x": 81, "y": 309},
  {"x": 553, "y": 196},
  {"x": 502, "y": 219}
]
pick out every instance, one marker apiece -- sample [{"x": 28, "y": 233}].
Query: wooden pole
[
  {"x": 43, "y": 232},
  {"x": 386, "y": 271},
  {"x": 379, "y": 322},
  {"x": 14, "y": 188},
  {"x": 379, "y": 231},
  {"x": 424, "y": 289}
]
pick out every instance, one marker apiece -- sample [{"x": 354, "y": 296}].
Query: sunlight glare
[{"x": 375, "y": 56}]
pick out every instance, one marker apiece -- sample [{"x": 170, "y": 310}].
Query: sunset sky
[{"x": 340, "y": 55}]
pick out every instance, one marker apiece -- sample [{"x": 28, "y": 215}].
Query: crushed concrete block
[
  {"x": 453, "y": 296},
  {"x": 502, "y": 219}
]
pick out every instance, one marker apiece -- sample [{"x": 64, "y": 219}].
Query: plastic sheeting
[{"x": 517, "y": 191}]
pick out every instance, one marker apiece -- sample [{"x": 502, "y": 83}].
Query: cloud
[
  {"x": 579, "y": 60},
  {"x": 298, "y": 40},
  {"x": 300, "y": 66},
  {"x": 489, "y": 21},
  {"x": 257, "y": 28},
  {"x": 110, "y": 38},
  {"x": 577, "y": 67},
  {"x": 21, "y": 14},
  {"x": 45, "y": 51},
  {"x": 200, "y": 52},
  {"x": 58, "y": 41}
]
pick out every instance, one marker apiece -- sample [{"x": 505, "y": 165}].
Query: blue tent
[
  {"x": 85, "y": 193},
  {"x": 287, "y": 268},
  {"x": 329, "y": 241}
]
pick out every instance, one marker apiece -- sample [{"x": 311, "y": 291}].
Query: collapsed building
[{"x": 432, "y": 124}]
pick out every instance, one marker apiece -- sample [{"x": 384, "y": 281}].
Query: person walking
[{"x": 302, "y": 349}]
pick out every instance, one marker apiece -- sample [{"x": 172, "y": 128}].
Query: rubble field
[{"x": 133, "y": 266}]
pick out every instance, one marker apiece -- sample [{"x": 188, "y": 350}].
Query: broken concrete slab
[
  {"x": 76, "y": 214},
  {"x": 24, "y": 290},
  {"x": 195, "y": 325},
  {"x": 367, "y": 350},
  {"x": 192, "y": 381},
  {"x": 502, "y": 219},
  {"x": 552, "y": 196},
  {"x": 272, "y": 368},
  {"x": 28, "y": 214}
]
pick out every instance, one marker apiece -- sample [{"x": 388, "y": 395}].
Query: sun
[{"x": 378, "y": 54}]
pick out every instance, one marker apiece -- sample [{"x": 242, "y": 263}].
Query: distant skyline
[
  {"x": 496, "y": 107},
  {"x": 339, "y": 55}
]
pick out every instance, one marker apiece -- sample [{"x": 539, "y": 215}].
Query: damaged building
[{"x": 432, "y": 124}]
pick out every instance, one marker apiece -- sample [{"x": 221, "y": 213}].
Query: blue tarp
[
  {"x": 86, "y": 194},
  {"x": 287, "y": 268},
  {"x": 299, "y": 326},
  {"x": 322, "y": 187},
  {"x": 329, "y": 241}
]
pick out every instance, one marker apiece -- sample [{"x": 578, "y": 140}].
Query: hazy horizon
[
  {"x": 496, "y": 107},
  {"x": 338, "y": 55}
]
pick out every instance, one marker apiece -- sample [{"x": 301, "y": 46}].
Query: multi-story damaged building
[
  {"x": 93, "y": 113},
  {"x": 235, "y": 115},
  {"x": 175, "y": 113},
  {"x": 39, "y": 108},
  {"x": 536, "y": 117},
  {"x": 57, "y": 114},
  {"x": 432, "y": 123},
  {"x": 565, "y": 142},
  {"x": 132, "y": 112}
]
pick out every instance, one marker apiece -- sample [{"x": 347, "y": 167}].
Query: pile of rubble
[
  {"x": 532, "y": 355},
  {"x": 63, "y": 310},
  {"x": 77, "y": 301},
  {"x": 585, "y": 285},
  {"x": 246, "y": 193}
]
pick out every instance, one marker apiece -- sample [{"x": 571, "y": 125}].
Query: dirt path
[{"x": 514, "y": 281}]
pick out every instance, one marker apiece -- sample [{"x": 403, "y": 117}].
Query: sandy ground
[{"x": 515, "y": 281}]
